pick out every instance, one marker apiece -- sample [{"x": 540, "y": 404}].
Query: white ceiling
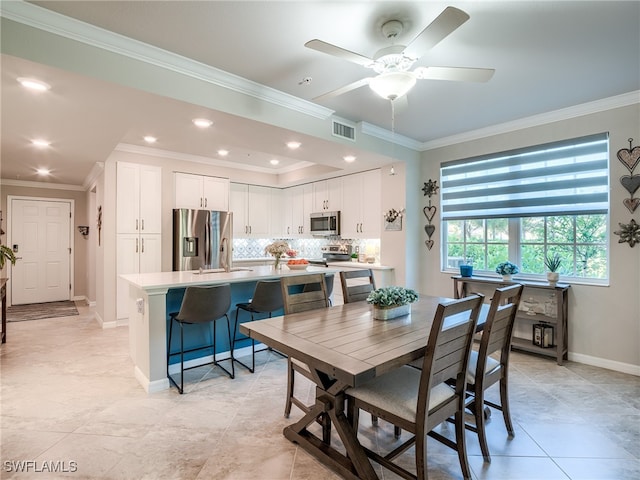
[{"x": 547, "y": 56}]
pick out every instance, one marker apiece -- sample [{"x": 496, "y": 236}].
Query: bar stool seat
[
  {"x": 267, "y": 298},
  {"x": 200, "y": 305}
]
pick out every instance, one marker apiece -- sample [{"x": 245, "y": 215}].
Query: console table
[{"x": 463, "y": 286}]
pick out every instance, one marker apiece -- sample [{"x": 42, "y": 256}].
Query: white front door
[{"x": 40, "y": 237}]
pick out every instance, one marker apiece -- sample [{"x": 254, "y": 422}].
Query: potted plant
[
  {"x": 507, "y": 270},
  {"x": 6, "y": 254},
  {"x": 354, "y": 257},
  {"x": 391, "y": 302},
  {"x": 553, "y": 262}
]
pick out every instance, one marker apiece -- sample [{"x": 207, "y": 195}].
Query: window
[{"x": 524, "y": 204}]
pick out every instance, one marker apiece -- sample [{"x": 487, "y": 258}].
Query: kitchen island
[{"x": 152, "y": 296}]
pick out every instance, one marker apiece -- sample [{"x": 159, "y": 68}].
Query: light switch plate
[{"x": 140, "y": 305}]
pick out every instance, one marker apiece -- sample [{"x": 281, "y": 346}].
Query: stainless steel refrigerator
[{"x": 202, "y": 239}]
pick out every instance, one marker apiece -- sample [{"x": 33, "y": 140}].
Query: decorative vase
[
  {"x": 552, "y": 278},
  {"x": 277, "y": 265},
  {"x": 466, "y": 270},
  {"x": 507, "y": 278},
  {"x": 387, "y": 313}
]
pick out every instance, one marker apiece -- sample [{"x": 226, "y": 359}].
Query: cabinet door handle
[
  {"x": 200, "y": 202},
  {"x": 142, "y": 224},
  {"x": 136, "y": 224},
  {"x": 249, "y": 228},
  {"x": 137, "y": 245},
  {"x": 205, "y": 202},
  {"x": 142, "y": 249}
]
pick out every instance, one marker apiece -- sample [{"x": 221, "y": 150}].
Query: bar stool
[
  {"x": 206, "y": 304},
  {"x": 267, "y": 298}
]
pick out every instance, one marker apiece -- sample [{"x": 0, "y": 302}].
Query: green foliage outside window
[{"x": 580, "y": 240}]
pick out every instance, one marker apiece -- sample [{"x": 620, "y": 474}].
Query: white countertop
[
  {"x": 164, "y": 280},
  {"x": 372, "y": 266}
]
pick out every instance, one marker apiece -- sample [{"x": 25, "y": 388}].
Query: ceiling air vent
[{"x": 344, "y": 131}]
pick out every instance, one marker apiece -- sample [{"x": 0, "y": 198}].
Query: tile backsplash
[{"x": 244, "y": 248}]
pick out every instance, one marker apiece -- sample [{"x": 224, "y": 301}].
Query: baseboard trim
[
  {"x": 604, "y": 363},
  {"x": 150, "y": 387}
]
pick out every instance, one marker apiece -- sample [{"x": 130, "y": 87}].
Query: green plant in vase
[
  {"x": 553, "y": 262},
  {"x": 6, "y": 254},
  {"x": 391, "y": 302}
]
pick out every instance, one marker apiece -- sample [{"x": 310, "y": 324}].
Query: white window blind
[{"x": 560, "y": 178}]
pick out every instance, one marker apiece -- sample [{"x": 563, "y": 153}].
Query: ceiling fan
[{"x": 393, "y": 64}]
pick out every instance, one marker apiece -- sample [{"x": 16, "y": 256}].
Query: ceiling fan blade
[
  {"x": 456, "y": 74},
  {"x": 444, "y": 24},
  {"x": 345, "y": 89},
  {"x": 339, "y": 52}
]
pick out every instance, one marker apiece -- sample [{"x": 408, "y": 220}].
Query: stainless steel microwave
[{"x": 325, "y": 223}]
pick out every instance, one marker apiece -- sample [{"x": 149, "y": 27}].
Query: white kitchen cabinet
[
  {"x": 139, "y": 198},
  {"x": 327, "y": 195},
  {"x": 251, "y": 207},
  {"x": 298, "y": 205},
  {"x": 201, "y": 192},
  {"x": 138, "y": 225},
  {"x": 135, "y": 254},
  {"x": 361, "y": 205}
]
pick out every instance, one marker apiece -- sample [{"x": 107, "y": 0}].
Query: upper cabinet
[
  {"x": 361, "y": 205},
  {"x": 201, "y": 192},
  {"x": 327, "y": 195},
  {"x": 297, "y": 208},
  {"x": 251, "y": 207},
  {"x": 139, "y": 198}
]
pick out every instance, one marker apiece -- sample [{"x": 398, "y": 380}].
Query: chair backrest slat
[
  {"x": 448, "y": 348},
  {"x": 296, "y": 299},
  {"x": 498, "y": 328},
  {"x": 354, "y": 289}
]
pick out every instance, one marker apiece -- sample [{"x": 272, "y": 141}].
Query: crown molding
[
  {"x": 388, "y": 136},
  {"x": 95, "y": 172},
  {"x": 618, "y": 101},
  {"x": 31, "y": 184},
  {"x": 53, "y": 22},
  {"x": 186, "y": 157}
]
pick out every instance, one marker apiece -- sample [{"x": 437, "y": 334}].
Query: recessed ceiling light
[
  {"x": 293, "y": 145},
  {"x": 223, "y": 153},
  {"x": 40, "y": 143},
  {"x": 349, "y": 158},
  {"x": 274, "y": 161},
  {"x": 150, "y": 139},
  {"x": 202, "y": 122},
  {"x": 43, "y": 171},
  {"x": 33, "y": 84}
]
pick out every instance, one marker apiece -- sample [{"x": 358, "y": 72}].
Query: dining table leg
[{"x": 354, "y": 464}]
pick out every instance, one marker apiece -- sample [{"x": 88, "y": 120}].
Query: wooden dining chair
[
  {"x": 301, "y": 293},
  {"x": 485, "y": 370},
  {"x": 419, "y": 400},
  {"x": 357, "y": 284}
]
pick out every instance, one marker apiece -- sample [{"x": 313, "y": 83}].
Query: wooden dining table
[{"x": 344, "y": 346}]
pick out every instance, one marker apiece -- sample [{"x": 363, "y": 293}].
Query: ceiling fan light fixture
[{"x": 392, "y": 85}]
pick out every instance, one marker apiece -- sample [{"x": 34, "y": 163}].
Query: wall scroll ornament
[
  {"x": 393, "y": 219},
  {"x": 630, "y": 157},
  {"x": 430, "y": 188},
  {"x": 629, "y": 233}
]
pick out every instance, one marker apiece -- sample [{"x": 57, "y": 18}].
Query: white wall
[{"x": 604, "y": 321}]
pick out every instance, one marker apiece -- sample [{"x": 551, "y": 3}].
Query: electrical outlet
[{"x": 140, "y": 305}]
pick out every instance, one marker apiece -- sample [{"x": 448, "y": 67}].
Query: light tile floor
[{"x": 69, "y": 401}]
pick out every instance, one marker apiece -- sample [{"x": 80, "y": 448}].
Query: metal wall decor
[
  {"x": 430, "y": 188},
  {"x": 629, "y": 233},
  {"x": 630, "y": 157}
]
